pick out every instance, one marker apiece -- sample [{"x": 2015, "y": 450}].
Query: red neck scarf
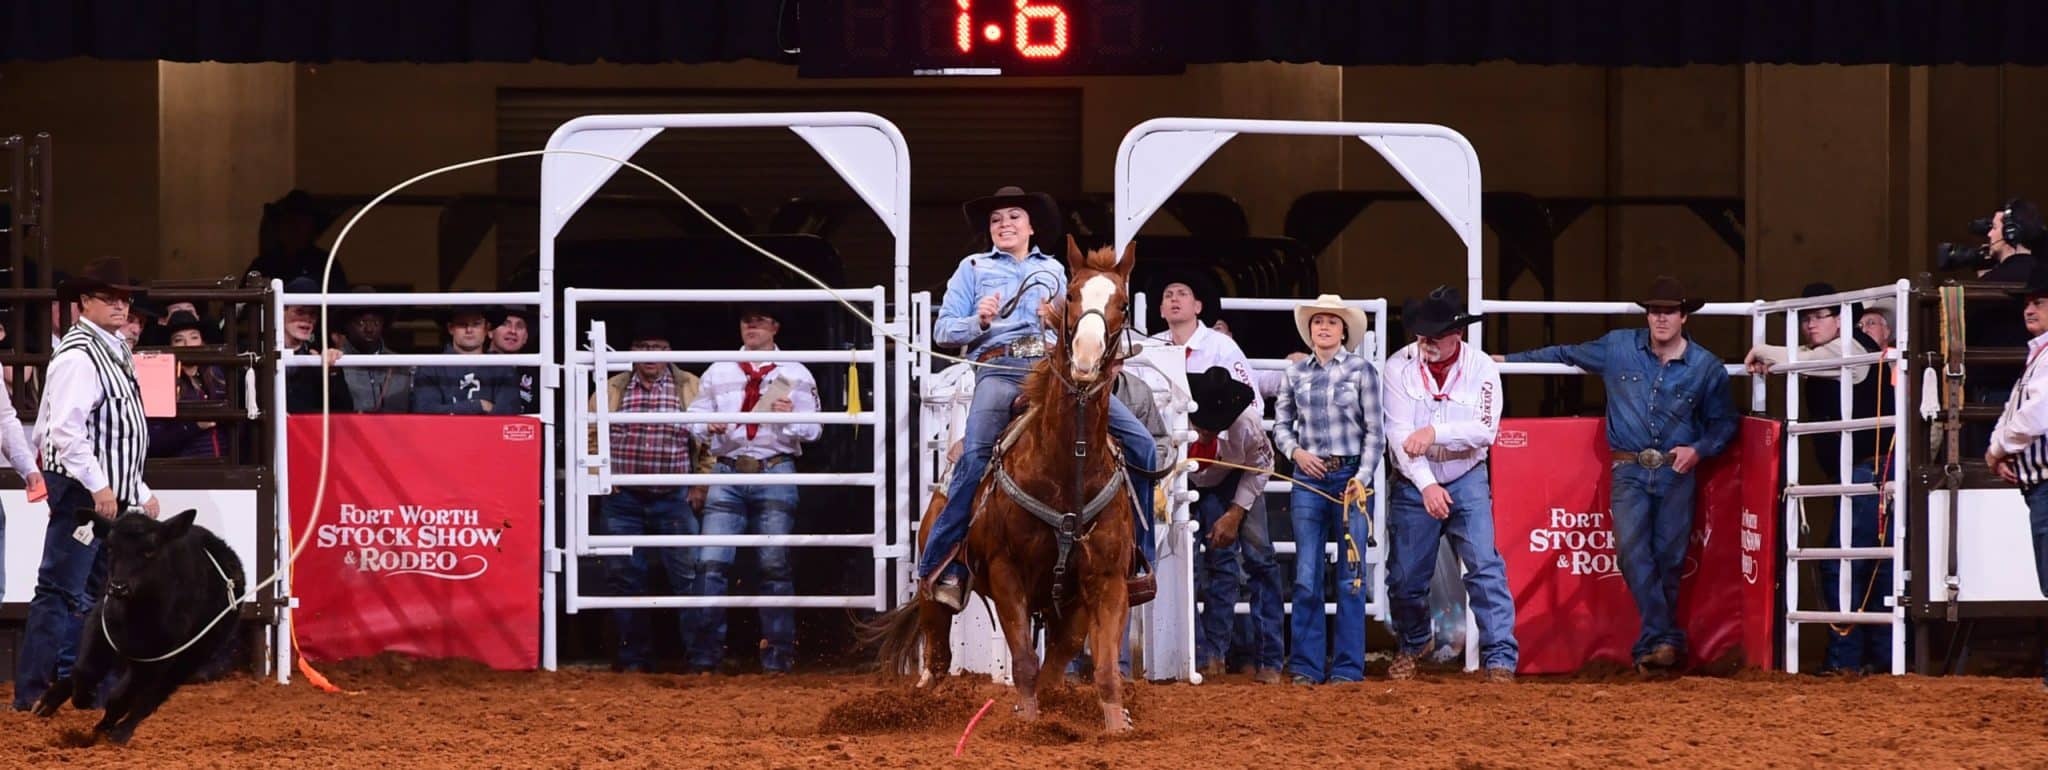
[
  {"x": 754, "y": 377},
  {"x": 1438, "y": 370}
]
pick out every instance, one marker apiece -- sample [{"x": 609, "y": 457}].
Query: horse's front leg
[
  {"x": 1005, "y": 589},
  {"x": 1110, "y": 608}
]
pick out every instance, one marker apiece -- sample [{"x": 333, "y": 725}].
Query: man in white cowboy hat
[
  {"x": 996, "y": 307},
  {"x": 1326, "y": 419},
  {"x": 93, "y": 438},
  {"x": 1667, "y": 410},
  {"x": 1442, "y": 403}
]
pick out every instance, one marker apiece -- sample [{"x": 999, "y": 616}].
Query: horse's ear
[
  {"x": 1074, "y": 258},
  {"x": 1129, "y": 259}
]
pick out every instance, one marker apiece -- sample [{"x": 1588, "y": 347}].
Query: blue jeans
[
  {"x": 68, "y": 584},
  {"x": 1652, "y": 512},
  {"x": 994, "y": 390},
  {"x": 2037, "y": 517},
  {"x": 629, "y": 512},
  {"x": 1318, "y": 521},
  {"x": 1864, "y": 645},
  {"x": 760, "y": 510},
  {"x": 1216, "y": 573},
  {"x": 1412, "y": 563},
  {"x": 1256, "y": 637}
]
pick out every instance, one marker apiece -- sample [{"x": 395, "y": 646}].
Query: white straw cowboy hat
[{"x": 1354, "y": 319}]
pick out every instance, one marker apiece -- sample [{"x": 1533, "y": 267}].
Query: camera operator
[{"x": 2006, "y": 256}]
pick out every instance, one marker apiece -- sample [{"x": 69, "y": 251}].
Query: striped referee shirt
[
  {"x": 2022, "y": 432},
  {"x": 91, "y": 427}
]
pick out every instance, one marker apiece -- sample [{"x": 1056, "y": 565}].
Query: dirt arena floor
[{"x": 433, "y": 715}]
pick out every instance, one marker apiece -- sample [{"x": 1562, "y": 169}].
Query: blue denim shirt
[
  {"x": 1651, "y": 404},
  {"x": 993, "y": 273}
]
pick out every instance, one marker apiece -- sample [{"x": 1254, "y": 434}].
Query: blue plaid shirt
[
  {"x": 1652, "y": 404},
  {"x": 1331, "y": 410},
  {"x": 993, "y": 273}
]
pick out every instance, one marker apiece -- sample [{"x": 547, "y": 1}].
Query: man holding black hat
[
  {"x": 638, "y": 510},
  {"x": 1227, "y": 429},
  {"x": 996, "y": 307},
  {"x": 2019, "y": 443},
  {"x": 93, "y": 437},
  {"x": 385, "y": 389},
  {"x": 1856, "y": 648},
  {"x": 762, "y": 509},
  {"x": 1667, "y": 410},
  {"x": 509, "y": 333},
  {"x": 1442, "y": 404},
  {"x": 465, "y": 388}
]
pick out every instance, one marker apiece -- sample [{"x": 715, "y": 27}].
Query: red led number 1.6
[{"x": 1027, "y": 13}]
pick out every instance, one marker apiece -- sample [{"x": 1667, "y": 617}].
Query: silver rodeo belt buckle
[
  {"x": 1029, "y": 347},
  {"x": 1650, "y": 458}
]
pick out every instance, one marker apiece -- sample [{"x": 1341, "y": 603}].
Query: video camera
[{"x": 1957, "y": 256}]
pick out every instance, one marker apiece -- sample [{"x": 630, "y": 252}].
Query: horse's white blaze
[{"x": 1090, "y": 334}]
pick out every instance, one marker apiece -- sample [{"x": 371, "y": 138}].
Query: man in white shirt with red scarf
[
  {"x": 784, "y": 386},
  {"x": 1441, "y": 399}
]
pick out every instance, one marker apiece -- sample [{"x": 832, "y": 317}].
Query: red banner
[
  {"x": 1551, "y": 479},
  {"x": 428, "y": 541}
]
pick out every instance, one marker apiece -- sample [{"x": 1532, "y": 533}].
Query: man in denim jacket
[{"x": 1667, "y": 410}]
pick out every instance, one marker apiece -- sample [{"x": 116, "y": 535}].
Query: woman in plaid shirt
[{"x": 1327, "y": 420}]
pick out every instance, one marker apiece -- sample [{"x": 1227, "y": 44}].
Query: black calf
[{"x": 168, "y": 584}]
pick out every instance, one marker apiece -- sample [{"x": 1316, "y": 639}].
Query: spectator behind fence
[
  {"x": 2019, "y": 444},
  {"x": 158, "y": 334},
  {"x": 386, "y": 389},
  {"x": 1857, "y": 648},
  {"x": 1326, "y": 418},
  {"x": 1667, "y": 410},
  {"x": 196, "y": 384},
  {"x": 1875, "y": 321},
  {"x": 302, "y": 383},
  {"x": 1442, "y": 404},
  {"x": 761, "y": 509},
  {"x": 635, "y": 510},
  {"x": 1228, "y": 428},
  {"x": 465, "y": 388},
  {"x": 510, "y": 327},
  {"x": 2012, "y": 233}
]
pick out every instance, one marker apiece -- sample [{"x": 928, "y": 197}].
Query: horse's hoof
[
  {"x": 924, "y": 679},
  {"x": 1028, "y": 713}
]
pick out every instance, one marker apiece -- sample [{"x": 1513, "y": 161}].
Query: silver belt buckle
[
  {"x": 1650, "y": 458},
  {"x": 1029, "y": 347}
]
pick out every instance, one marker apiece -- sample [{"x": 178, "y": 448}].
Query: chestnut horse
[{"x": 1057, "y": 458}]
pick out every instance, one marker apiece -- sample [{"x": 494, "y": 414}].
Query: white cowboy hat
[{"x": 1354, "y": 319}]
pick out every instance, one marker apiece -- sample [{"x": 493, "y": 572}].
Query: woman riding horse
[{"x": 996, "y": 307}]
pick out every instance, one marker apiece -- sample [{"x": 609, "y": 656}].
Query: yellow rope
[{"x": 1356, "y": 497}]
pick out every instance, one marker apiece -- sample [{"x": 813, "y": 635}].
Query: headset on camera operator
[{"x": 2005, "y": 256}]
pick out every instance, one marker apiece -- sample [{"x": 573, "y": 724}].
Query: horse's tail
[{"x": 896, "y": 633}]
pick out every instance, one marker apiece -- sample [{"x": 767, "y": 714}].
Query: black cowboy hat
[
  {"x": 106, "y": 274},
  {"x": 1433, "y": 315},
  {"x": 1822, "y": 289},
  {"x": 1221, "y": 399},
  {"x": 1201, "y": 283},
  {"x": 1045, "y": 213},
  {"x": 1668, "y": 292},
  {"x": 182, "y": 320}
]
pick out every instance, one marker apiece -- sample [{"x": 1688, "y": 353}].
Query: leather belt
[
  {"x": 1437, "y": 454},
  {"x": 752, "y": 465},
  {"x": 1026, "y": 347},
  {"x": 1648, "y": 458}
]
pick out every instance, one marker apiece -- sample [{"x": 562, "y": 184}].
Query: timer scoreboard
[{"x": 894, "y": 38}]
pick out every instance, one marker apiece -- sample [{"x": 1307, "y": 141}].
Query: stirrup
[{"x": 1142, "y": 588}]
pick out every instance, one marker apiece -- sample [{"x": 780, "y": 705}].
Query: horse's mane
[{"x": 1103, "y": 259}]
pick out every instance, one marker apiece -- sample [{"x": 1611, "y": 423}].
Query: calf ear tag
[{"x": 83, "y": 534}]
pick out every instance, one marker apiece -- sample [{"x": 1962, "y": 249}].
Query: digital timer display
[{"x": 891, "y": 38}]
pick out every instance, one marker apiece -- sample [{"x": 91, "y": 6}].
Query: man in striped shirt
[
  {"x": 93, "y": 438},
  {"x": 2019, "y": 443},
  {"x": 1326, "y": 419}
]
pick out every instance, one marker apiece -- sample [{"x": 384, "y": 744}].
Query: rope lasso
[{"x": 1357, "y": 496}]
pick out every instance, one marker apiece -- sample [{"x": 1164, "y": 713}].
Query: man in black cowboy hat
[
  {"x": 996, "y": 307},
  {"x": 1228, "y": 430},
  {"x": 1441, "y": 403},
  {"x": 465, "y": 388},
  {"x": 93, "y": 439},
  {"x": 511, "y": 327},
  {"x": 1864, "y": 647},
  {"x": 374, "y": 389},
  {"x": 2019, "y": 443},
  {"x": 1667, "y": 409}
]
